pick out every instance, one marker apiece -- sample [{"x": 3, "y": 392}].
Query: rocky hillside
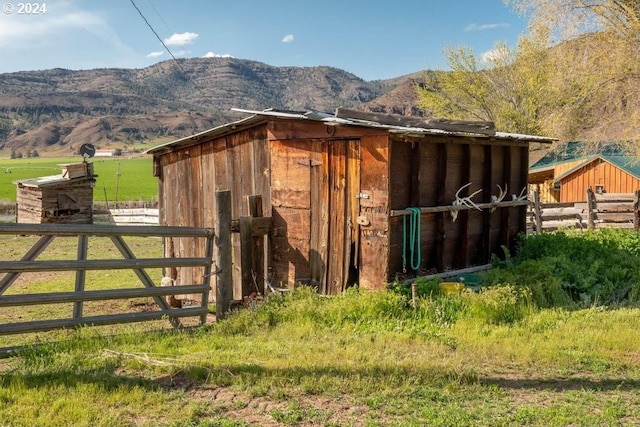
[{"x": 57, "y": 110}]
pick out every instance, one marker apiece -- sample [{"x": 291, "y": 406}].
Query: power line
[
  {"x": 158, "y": 15},
  {"x": 167, "y": 48}
]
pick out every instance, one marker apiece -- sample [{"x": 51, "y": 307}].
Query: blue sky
[{"x": 373, "y": 39}]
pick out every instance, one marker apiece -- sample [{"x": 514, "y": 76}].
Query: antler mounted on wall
[
  {"x": 500, "y": 197},
  {"x": 523, "y": 195},
  {"x": 464, "y": 201}
]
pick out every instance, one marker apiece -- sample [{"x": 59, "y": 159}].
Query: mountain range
[{"x": 57, "y": 110}]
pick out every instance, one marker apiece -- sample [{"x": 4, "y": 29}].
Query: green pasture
[{"x": 119, "y": 178}]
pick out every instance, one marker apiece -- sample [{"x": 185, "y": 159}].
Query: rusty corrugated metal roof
[{"x": 329, "y": 119}]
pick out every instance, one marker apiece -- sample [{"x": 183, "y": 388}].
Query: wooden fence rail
[{"x": 599, "y": 211}]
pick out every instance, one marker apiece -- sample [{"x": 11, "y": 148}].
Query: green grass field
[
  {"x": 119, "y": 178},
  {"x": 488, "y": 358}
]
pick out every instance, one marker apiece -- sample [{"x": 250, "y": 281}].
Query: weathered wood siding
[
  {"x": 598, "y": 172},
  {"x": 428, "y": 172},
  {"x": 318, "y": 176},
  {"x": 67, "y": 203},
  {"x": 329, "y": 191},
  {"x": 189, "y": 178},
  {"x": 547, "y": 192},
  {"x": 374, "y": 237}
]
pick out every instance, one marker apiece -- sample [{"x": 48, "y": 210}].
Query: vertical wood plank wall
[
  {"x": 615, "y": 180},
  {"x": 291, "y": 200},
  {"x": 189, "y": 178},
  {"x": 446, "y": 164},
  {"x": 374, "y": 238},
  {"x": 290, "y": 163}
]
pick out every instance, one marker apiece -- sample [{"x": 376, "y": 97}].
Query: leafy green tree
[
  {"x": 573, "y": 76},
  {"x": 505, "y": 86},
  {"x": 568, "y": 19}
]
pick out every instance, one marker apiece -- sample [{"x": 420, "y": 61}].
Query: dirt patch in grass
[{"x": 305, "y": 410}]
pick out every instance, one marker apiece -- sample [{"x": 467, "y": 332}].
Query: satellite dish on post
[{"x": 87, "y": 150}]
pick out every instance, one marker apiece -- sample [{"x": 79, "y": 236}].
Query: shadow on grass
[
  {"x": 105, "y": 376},
  {"x": 564, "y": 384},
  {"x": 109, "y": 377}
]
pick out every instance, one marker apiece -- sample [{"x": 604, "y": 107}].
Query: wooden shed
[
  {"x": 61, "y": 199},
  {"x": 565, "y": 173},
  {"x": 338, "y": 188}
]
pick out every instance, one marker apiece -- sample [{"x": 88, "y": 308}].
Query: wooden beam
[
  {"x": 487, "y": 175},
  {"x": 505, "y": 213},
  {"x": 450, "y": 208},
  {"x": 223, "y": 258},
  {"x": 246, "y": 256},
  {"x": 477, "y": 127},
  {"x": 258, "y": 243},
  {"x": 440, "y": 219},
  {"x": 463, "y": 227}
]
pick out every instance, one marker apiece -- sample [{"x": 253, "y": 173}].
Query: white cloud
[
  {"x": 216, "y": 55},
  {"x": 181, "y": 53},
  {"x": 484, "y": 27},
  {"x": 180, "y": 39},
  {"x": 30, "y": 33},
  {"x": 495, "y": 55},
  {"x": 287, "y": 39},
  {"x": 155, "y": 54}
]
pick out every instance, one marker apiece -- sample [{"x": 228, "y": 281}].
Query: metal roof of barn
[
  {"x": 333, "y": 120},
  {"x": 575, "y": 151}
]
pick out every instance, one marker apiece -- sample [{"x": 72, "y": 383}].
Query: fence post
[
  {"x": 537, "y": 212},
  {"x": 591, "y": 209},
  {"x": 246, "y": 255},
  {"x": 223, "y": 260},
  {"x": 252, "y": 256},
  {"x": 259, "y": 257},
  {"x": 636, "y": 210},
  {"x": 83, "y": 245}
]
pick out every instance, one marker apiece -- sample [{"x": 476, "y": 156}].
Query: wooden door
[{"x": 335, "y": 189}]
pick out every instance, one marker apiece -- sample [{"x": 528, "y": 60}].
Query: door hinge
[{"x": 310, "y": 162}]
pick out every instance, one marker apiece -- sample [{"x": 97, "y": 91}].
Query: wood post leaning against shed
[
  {"x": 252, "y": 231},
  {"x": 223, "y": 259}
]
